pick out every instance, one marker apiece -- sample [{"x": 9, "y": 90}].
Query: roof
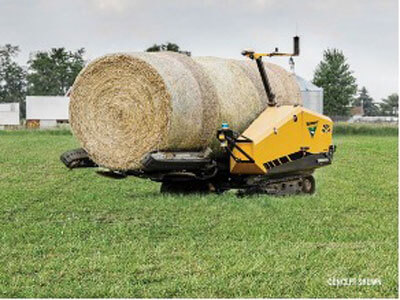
[{"x": 307, "y": 86}]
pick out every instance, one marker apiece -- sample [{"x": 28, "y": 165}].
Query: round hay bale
[
  {"x": 125, "y": 105},
  {"x": 128, "y": 104}
]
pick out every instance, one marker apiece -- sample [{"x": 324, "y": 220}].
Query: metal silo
[{"x": 313, "y": 96}]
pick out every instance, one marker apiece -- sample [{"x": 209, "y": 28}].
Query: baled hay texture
[
  {"x": 210, "y": 107},
  {"x": 238, "y": 98},
  {"x": 283, "y": 83},
  {"x": 126, "y": 105},
  {"x": 291, "y": 94}
]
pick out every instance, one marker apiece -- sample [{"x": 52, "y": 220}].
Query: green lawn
[{"x": 76, "y": 234}]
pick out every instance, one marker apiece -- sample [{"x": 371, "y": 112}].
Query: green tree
[
  {"x": 167, "y": 47},
  {"x": 53, "y": 72},
  {"x": 12, "y": 78},
  {"x": 390, "y": 105},
  {"x": 171, "y": 47},
  {"x": 154, "y": 48},
  {"x": 163, "y": 47},
  {"x": 333, "y": 74},
  {"x": 366, "y": 101}
]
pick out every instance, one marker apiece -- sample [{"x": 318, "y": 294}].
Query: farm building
[
  {"x": 313, "y": 96},
  {"x": 373, "y": 119},
  {"x": 46, "y": 111},
  {"x": 9, "y": 115}
]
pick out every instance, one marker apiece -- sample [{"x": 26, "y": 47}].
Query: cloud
[{"x": 117, "y": 6}]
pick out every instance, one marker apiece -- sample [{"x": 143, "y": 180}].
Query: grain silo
[{"x": 312, "y": 96}]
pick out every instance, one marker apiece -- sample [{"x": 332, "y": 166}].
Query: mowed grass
[{"x": 76, "y": 234}]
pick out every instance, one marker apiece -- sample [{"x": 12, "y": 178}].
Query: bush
[
  {"x": 55, "y": 131},
  {"x": 382, "y": 129}
]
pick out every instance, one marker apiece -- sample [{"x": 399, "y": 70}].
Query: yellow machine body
[{"x": 278, "y": 136}]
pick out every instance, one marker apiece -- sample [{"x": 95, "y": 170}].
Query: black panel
[
  {"x": 296, "y": 155},
  {"x": 284, "y": 159},
  {"x": 152, "y": 163},
  {"x": 306, "y": 163},
  {"x": 276, "y": 162}
]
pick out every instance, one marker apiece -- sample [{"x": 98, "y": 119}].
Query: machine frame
[{"x": 247, "y": 164}]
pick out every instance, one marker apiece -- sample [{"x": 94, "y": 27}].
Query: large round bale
[{"x": 126, "y": 105}]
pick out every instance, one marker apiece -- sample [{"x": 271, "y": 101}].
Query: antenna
[{"x": 296, "y": 46}]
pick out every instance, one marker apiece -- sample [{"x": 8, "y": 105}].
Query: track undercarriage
[
  {"x": 290, "y": 185},
  {"x": 195, "y": 172}
]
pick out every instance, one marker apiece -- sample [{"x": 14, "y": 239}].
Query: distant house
[
  {"x": 46, "y": 111},
  {"x": 373, "y": 119},
  {"x": 312, "y": 96},
  {"x": 357, "y": 111},
  {"x": 9, "y": 115}
]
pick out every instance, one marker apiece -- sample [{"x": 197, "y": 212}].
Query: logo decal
[
  {"x": 326, "y": 128},
  {"x": 312, "y": 127}
]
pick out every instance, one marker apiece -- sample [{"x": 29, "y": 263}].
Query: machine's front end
[
  {"x": 284, "y": 139},
  {"x": 280, "y": 150}
]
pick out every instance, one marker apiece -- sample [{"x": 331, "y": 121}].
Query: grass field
[{"x": 76, "y": 234}]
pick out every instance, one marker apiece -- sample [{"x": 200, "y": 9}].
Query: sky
[{"x": 365, "y": 30}]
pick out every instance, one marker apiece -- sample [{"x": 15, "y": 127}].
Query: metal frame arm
[
  {"x": 229, "y": 139},
  {"x": 265, "y": 81}
]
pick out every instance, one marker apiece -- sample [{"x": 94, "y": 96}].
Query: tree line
[
  {"x": 341, "y": 93},
  {"x": 53, "y": 72},
  {"x": 47, "y": 73}
]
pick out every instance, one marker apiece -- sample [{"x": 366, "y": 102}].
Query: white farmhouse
[
  {"x": 46, "y": 111},
  {"x": 9, "y": 114}
]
